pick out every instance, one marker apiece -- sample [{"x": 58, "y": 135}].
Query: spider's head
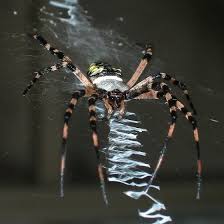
[
  {"x": 115, "y": 98},
  {"x": 100, "y": 68}
]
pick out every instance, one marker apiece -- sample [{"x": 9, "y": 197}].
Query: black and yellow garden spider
[{"x": 104, "y": 82}]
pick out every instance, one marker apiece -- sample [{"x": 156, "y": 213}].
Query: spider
[{"x": 104, "y": 82}]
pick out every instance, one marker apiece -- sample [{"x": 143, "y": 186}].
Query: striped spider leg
[
  {"x": 92, "y": 121},
  {"x": 64, "y": 62},
  {"x": 68, "y": 113},
  {"x": 141, "y": 67},
  {"x": 150, "y": 89},
  {"x": 42, "y": 72},
  {"x": 179, "y": 84}
]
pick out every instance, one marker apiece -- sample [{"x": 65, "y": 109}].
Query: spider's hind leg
[
  {"x": 43, "y": 72},
  {"x": 64, "y": 58},
  {"x": 142, "y": 65},
  {"x": 48, "y": 47}
]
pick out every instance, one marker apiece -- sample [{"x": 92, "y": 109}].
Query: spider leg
[
  {"x": 68, "y": 113},
  {"x": 142, "y": 65},
  {"x": 61, "y": 56},
  {"x": 175, "y": 103},
  {"x": 122, "y": 110},
  {"x": 188, "y": 115},
  {"x": 179, "y": 84},
  {"x": 171, "y": 100},
  {"x": 108, "y": 107},
  {"x": 92, "y": 120},
  {"x": 48, "y": 47},
  {"x": 42, "y": 72},
  {"x": 143, "y": 90}
]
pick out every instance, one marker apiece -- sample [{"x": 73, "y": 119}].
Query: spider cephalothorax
[
  {"x": 104, "y": 82},
  {"x": 115, "y": 97}
]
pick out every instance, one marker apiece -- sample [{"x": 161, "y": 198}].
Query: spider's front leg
[
  {"x": 92, "y": 120},
  {"x": 188, "y": 115},
  {"x": 147, "y": 90},
  {"x": 179, "y": 84},
  {"x": 108, "y": 108},
  {"x": 68, "y": 113}
]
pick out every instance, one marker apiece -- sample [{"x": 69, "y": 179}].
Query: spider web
[
  {"x": 126, "y": 162},
  {"x": 124, "y": 165}
]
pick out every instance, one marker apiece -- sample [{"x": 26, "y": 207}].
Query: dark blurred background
[{"x": 187, "y": 37}]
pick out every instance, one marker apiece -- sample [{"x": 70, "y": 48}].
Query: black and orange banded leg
[
  {"x": 68, "y": 113},
  {"x": 43, "y": 72},
  {"x": 193, "y": 122},
  {"x": 64, "y": 58},
  {"x": 92, "y": 120},
  {"x": 179, "y": 84},
  {"x": 46, "y": 45},
  {"x": 171, "y": 100},
  {"x": 141, "y": 67},
  {"x": 146, "y": 90}
]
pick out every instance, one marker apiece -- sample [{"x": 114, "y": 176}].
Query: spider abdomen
[
  {"x": 106, "y": 77},
  {"x": 110, "y": 83}
]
